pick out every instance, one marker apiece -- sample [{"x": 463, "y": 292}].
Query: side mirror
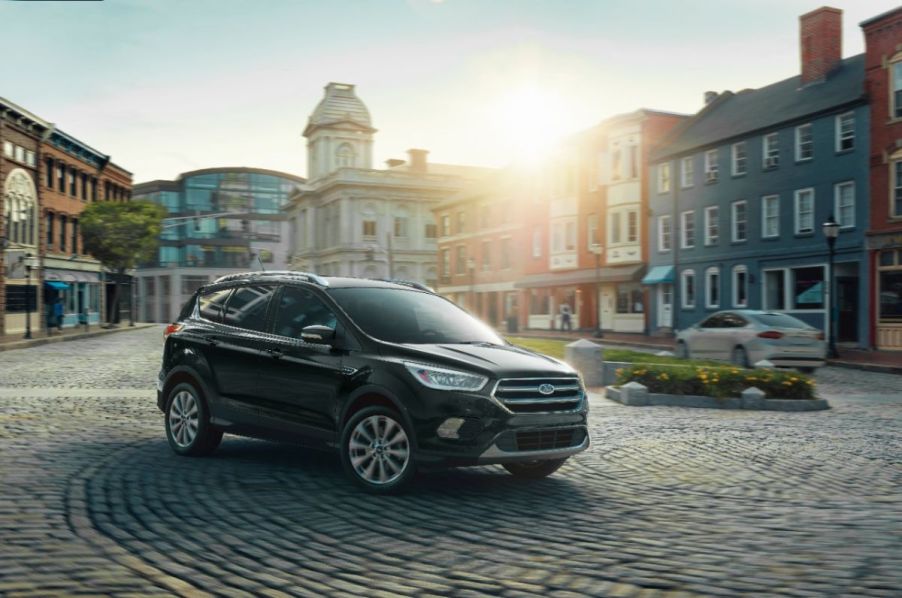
[{"x": 322, "y": 335}]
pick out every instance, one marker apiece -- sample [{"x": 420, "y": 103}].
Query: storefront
[
  {"x": 79, "y": 293},
  {"x": 889, "y": 299},
  {"x": 659, "y": 281}
]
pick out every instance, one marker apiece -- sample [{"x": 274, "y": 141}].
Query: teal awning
[
  {"x": 658, "y": 275},
  {"x": 59, "y": 286}
]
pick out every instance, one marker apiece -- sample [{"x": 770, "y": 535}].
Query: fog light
[{"x": 449, "y": 427}]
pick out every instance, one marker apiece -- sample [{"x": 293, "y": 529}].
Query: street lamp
[
  {"x": 598, "y": 250},
  {"x": 471, "y": 268},
  {"x": 30, "y": 262},
  {"x": 831, "y": 232}
]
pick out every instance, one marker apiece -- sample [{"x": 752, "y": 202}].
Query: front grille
[
  {"x": 522, "y": 395},
  {"x": 543, "y": 440}
]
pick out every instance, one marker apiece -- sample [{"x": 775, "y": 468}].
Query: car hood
[{"x": 497, "y": 360}]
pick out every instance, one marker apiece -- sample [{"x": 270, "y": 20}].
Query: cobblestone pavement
[{"x": 667, "y": 502}]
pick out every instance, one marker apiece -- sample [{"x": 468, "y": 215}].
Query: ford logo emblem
[{"x": 546, "y": 389}]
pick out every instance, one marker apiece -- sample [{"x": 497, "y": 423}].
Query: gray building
[{"x": 740, "y": 191}]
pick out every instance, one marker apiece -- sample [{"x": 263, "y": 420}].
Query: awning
[
  {"x": 71, "y": 275},
  {"x": 59, "y": 286},
  {"x": 659, "y": 274},
  {"x": 588, "y": 276}
]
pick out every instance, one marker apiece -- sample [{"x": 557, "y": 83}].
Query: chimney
[
  {"x": 820, "y": 37},
  {"x": 710, "y": 96},
  {"x": 417, "y": 159},
  {"x": 393, "y": 162}
]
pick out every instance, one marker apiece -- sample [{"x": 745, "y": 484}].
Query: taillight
[
  {"x": 820, "y": 336},
  {"x": 770, "y": 334},
  {"x": 172, "y": 328}
]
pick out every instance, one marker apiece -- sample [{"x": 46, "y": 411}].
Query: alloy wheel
[
  {"x": 379, "y": 450},
  {"x": 184, "y": 417}
]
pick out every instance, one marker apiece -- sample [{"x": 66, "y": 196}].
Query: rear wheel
[
  {"x": 534, "y": 470},
  {"x": 188, "y": 426},
  {"x": 377, "y": 450},
  {"x": 740, "y": 357},
  {"x": 682, "y": 350}
]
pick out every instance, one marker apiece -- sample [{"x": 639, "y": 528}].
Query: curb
[
  {"x": 867, "y": 367},
  {"x": 704, "y": 402},
  {"x": 35, "y": 342}
]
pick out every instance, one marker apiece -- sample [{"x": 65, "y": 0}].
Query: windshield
[
  {"x": 402, "y": 316},
  {"x": 776, "y": 320}
]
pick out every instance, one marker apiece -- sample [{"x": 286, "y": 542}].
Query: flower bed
[{"x": 714, "y": 381}]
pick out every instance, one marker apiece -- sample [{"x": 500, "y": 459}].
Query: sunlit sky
[{"x": 167, "y": 86}]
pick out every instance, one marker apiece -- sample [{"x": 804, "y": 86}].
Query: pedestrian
[
  {"x": 58, "y": 315},
  {"x": 566, "y": 312}
]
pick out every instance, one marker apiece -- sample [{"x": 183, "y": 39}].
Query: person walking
[
  {"x": 58, "y": 315},
  {"x": 566, "y": 314}
]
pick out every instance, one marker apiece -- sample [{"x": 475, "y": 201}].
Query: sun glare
[{"x": 533, "y": 121}]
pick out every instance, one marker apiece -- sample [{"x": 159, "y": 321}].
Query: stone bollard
[
  {"x": 588, "y": 359},
  {"x": 753, "y": 398},
  {"x": 634, "y": 394},
  {"x": 764, "y": 365}
]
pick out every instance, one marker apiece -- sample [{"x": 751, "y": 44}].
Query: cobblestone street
[{"x": 667, "y": 502}]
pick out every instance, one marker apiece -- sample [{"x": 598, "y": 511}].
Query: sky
[{"x": 168, "y": 86}]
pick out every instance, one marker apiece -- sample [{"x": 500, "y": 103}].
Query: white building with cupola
[{"x": 351, "y": 219}]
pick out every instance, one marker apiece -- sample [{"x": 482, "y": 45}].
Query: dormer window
[{"x": 344, "y": 156}]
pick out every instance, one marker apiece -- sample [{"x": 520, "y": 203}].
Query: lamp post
[
  {"x": 598, "y": 250},
  {"x": 471, "y": 268},
  {"x": 831, "y": 232},
  {"x": 29, "y": 264}
]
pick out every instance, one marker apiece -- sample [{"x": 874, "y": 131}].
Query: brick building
[{"x": 883, "y": 83}]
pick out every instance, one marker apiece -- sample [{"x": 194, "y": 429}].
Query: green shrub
[{"x": 717, "y": 381}]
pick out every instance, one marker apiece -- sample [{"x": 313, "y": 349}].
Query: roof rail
[
  {"x": 407, "y": 283},
  {"x": 306, "y": 276}
]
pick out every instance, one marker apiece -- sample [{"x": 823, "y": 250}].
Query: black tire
[
  {"x": 534, "y": 470},
  {"x": 178, "y": 422},
  {"x": 358, "y": 455},
  {"x": 682, "y": 350},
  {"x": 739, "y": 357}
]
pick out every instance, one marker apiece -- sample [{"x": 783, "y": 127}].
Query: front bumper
[{"x": 495, "y": 454}]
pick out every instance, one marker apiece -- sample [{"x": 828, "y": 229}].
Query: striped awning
[{"x": 658, "y": 275}]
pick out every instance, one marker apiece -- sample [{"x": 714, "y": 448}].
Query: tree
[{"x": 122, "y": 235}]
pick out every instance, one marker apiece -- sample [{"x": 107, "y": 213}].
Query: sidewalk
[
  {"x": 888, "y": 362},
  {"x": 11, "y": 342}
]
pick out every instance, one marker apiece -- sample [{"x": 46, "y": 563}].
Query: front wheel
[
  {"x": 377, "y": 450},
  {"x": 188, "y": 426},
  {"x": 534, "y": 470},
  {"x": 682, "y": 350}
]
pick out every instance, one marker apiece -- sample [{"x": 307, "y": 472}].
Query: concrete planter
[{"x": 636, "y": 395}]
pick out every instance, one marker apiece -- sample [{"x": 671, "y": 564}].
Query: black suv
[{"x": 392, "y": 375}]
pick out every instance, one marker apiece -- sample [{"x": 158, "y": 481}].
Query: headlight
[{"x": 442, "y": 379}]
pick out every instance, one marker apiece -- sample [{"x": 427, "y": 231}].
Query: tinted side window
[
  {"x": 299, "y": 308},
  {"x": 733, "y": 321},
  {"x": 246, "y": 307},
  {"x": 715, "y": 321},
  {"x": 211, "y": 304}
]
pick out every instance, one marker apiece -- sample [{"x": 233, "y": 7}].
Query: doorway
[
  {"x": 665, "y": 306},
  {"x": 847, "y": 307}
]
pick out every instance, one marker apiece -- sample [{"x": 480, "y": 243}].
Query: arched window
[
  {"x": 740, "y": 286},
  {"x": 344, "y": 156},
  {"x": 20, "y": 208},
  {"x": 712, "y": 287}
]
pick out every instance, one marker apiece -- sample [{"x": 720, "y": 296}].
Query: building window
[
  {"x": 486, "y": 256},
  {"x": 537, "y": 242},
  {"x": 664, "y": 233},
  {"x": 740, "y": 286},
  {"x": 446, "y": 226},
  {"x": 687, "y": 288},
  {"x": 401, "y": 226},
  {"x": 592, "y": 231},
  {"x": 897, "y": 188},
  {"x": 48, "y": 172},
  {"x": 84, "y": 186},
  {"x": 664, "y": 177},
  {"x": 804, "y": 217},
  {"x": 369, "y": 228},
  {"x": 845, "y": 132},
  {"x": 461, "y": 221},
  {"x": 712, "y": 288},
  {"x": 614, "y": 233},
  {"x": 844, "y": 195},
  {"x": 634, "y": 160},
  {"x": 49, "y": 219},
  {"x": 687, "y": 232},
  {"x": 630, "y": 299},
  {"x": 616, "y": 163},
  {"x": 687, "y": 172},
  {"x": 29, "y": 157},
  {"x": 505, "y": 253},
  {"x": 770, "y": 216},
  {"x": 8, "y": 149},
  {"x": 711, "y": 166},
  {"x": 460, "y": 261},
  {"x": 62, "y": 233},
  {"x": 73, "y": 178},
  {"x": 889, "y": 281},
  {"x": 60, "y": 177},
  {"x": 632, "y": 226},
  {"x": 20, "y": 153},
  {"x": 712, "y": 225},
  {"x": 804, "y": 143},
  {"x": 344, "y": 156},
  {"x": 771, "y": 151},
  {"x": 74, "y": 236},
  {"x": 446, "y": 263},
  {"x": 808, "y": 287},
  {"x": 897, "y": 89},
  {"x": 570, "y": 235},
  {"x": 93, "y": 189},
  {"x": 740, "y": 222},
  {"x": 737, "y": 158},
  {"x": 430, "y": 231}
]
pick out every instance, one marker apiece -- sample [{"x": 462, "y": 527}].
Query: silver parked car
[{"x": 746, "y": 336}]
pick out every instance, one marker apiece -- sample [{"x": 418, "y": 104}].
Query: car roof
[{"x": 328, "y": 282}]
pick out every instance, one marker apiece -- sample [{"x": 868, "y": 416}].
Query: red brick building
[{"x": 883, "y": 81}]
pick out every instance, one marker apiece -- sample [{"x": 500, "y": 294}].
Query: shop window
[
  {"x": 889, "y": 286},
  {"x": 808, "y": 287}
]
